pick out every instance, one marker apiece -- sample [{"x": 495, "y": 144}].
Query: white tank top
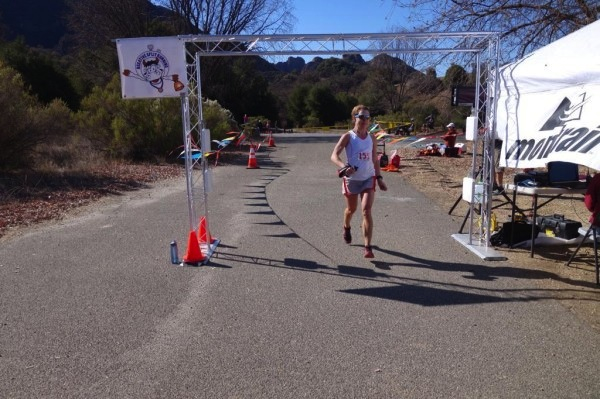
[{"x": 359, "y": 154}]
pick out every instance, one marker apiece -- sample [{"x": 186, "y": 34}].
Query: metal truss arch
[
  {"x": 483, "y": 45},
  {"x": 338, "y": 44}
]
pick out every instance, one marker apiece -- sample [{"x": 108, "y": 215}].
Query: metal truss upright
[
  {"x": 483, "y": 45},
  {"x": 193, "y": 125},
  {"x": 485, "y": 111}
]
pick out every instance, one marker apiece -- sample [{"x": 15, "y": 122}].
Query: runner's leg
[
  {"x": 367, "y": 199},
  {"x": 351, "y": 204}
]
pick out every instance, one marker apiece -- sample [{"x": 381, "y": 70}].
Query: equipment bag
[
  {"x": 522, "y": 233},
  {"x": 383, "y": 160},
  {"x": 532, "y": 179},
  {"x": 557, "y": 226}
]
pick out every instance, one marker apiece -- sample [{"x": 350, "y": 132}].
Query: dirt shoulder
[
  {"x": 440, "y": 179},
  {"x": 28, "y": 199}
]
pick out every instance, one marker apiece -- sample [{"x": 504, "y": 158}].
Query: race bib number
[{"x": 364, "y": 156}]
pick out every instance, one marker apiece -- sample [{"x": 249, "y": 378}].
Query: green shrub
[
  {"x": 218, "y": 119},
  {"x": 129, "y": 129},
  {"x": 26, "y": 124},
  {"x": 141, "y": 129},
  {"x": 54, "y": 122}
]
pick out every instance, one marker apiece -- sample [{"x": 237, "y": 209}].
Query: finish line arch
[{"x": 484, "y": 46}]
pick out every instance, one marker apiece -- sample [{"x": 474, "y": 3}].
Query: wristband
[{"x": 379, "y": 177}]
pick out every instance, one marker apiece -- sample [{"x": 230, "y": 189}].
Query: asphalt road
[{"x": 91, "y": 307}]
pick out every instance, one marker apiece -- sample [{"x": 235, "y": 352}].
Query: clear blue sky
[{"x": 346, "y": 16}]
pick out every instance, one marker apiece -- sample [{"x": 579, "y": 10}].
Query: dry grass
[{"x": 440, "y": 179}]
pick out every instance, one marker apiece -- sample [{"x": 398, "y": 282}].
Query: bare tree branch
[
  {"x": 222, "y": 17},
  {"x": 524, "y": 25},
  {"x": 96, "y": 23}
]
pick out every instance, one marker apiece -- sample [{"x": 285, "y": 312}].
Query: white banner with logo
[
  {"x": 555, "y": 125},
  {"x": 548, "y": 104},
  {"x": 152, "y": 67}
]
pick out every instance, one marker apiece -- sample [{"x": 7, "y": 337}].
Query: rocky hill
[{"x": 40, "y": 22}]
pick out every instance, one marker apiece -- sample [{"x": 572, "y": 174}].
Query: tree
[
  {"x": 346, "y": 102},
  {"x": 333, "y": 67},
  {"x": 230, "y": 17},
  {"x": 96, "y": 23},
  {"x": 239, "y": 84},
  {"x": 408, "y": 50},
  {"x": 427, "y": 83},
  {"x": 386, "y": 83},
  {"x": 42, "y": 71},
  {"x": 524, "y": 25},
  {"x": 297, "y": 107},
  {"x": 456, "y": 76},
  {"x": 339, "y": 73},
  {"x": 26, "y": 124},
  {"x": 323, "y": 105}
]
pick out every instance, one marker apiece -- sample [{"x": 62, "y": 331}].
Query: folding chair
[{"x": 594, "y": 230}]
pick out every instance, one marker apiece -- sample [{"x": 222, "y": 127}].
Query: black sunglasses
[{"x": 362, "y": 117}]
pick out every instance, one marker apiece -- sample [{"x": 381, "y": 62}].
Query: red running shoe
[
  {"x": 347, "y": 235},
  {"x": 369, "y": 252}
]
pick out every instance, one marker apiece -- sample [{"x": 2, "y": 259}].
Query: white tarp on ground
[{"x": 549, "y": 104}]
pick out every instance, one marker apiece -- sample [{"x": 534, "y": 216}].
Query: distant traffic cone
[
  {"x": 390, "y": 168},
  {"x": 394, "y": 165},
  {"x": 193, "y": 253},
  {"x": 252, "y": 164},
  {"x": 271, "y": 141},
  {"x": 395, "y": 160},
  {"x": 204, "y": 236}
]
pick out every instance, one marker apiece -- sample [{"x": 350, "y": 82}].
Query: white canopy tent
[{"x": 548, "y": 104}]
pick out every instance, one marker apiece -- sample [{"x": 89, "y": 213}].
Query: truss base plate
[
  {"x": 207, "y": 250},
  {"x": 479, "y": 249}
]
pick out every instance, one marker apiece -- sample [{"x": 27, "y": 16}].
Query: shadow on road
[{"x": 420, "y": 291}]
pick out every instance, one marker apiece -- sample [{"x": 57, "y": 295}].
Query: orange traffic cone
[
  {"x": 204, "y": 236},
  {"x": 252, "y": 164},
  {"x": 271, "y": 141},
  {"x": 390, "y": 168},
  {"x": 394, "y": 165},
  {"x": 193, "y": 253}
]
